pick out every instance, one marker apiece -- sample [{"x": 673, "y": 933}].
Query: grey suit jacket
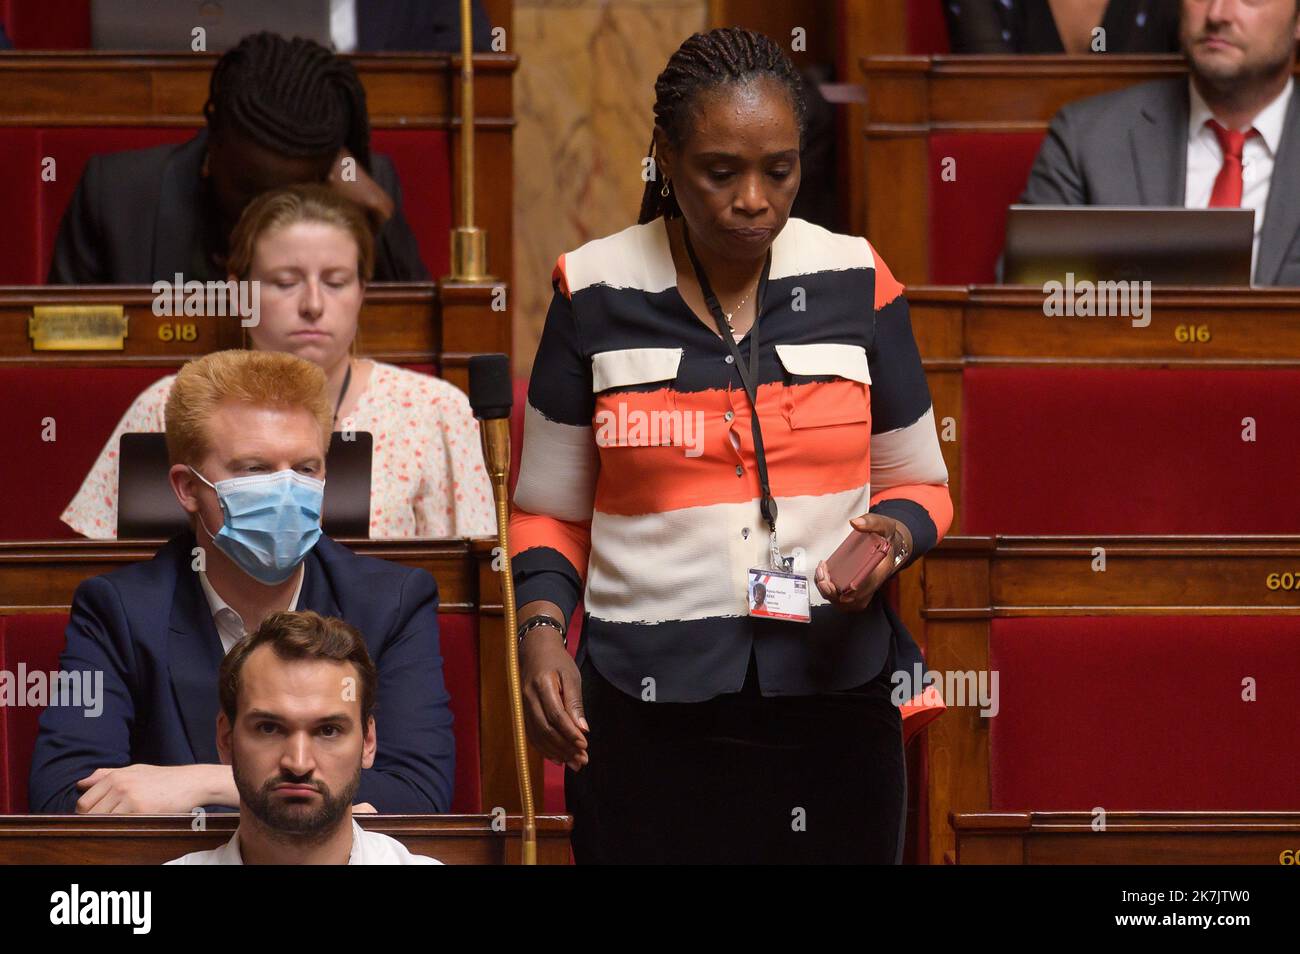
[{"x": 1130, "y": 148}]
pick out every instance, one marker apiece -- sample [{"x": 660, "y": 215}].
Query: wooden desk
[
  {"x": 911, "y": 97},
  {"x": 443, "y": 324},
  {"x": 40, "y": 577},
  {"x": 957, "y": 328},
  {"x": 1130, "y": 838},
  {"x": 968, "y": 581},
  {"x": 403, "y": 90},
  {"x": 154, "y": 839}
]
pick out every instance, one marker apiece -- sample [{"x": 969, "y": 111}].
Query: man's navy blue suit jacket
[{"x": 149, "y": 628}]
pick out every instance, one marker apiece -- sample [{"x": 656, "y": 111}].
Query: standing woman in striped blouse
[{"x": 692, "y": 729}]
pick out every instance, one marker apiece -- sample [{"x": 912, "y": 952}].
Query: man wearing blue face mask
[{"x": 247, "y": 433}]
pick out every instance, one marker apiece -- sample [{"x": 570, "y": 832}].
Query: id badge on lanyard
[
  {"x": 775, "y": 591},
  {"x": 778, "y": 594}
]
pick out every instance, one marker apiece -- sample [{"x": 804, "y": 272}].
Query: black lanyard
[
  {"x": 748, "y": 376},
  {"x": 347, "y": 379}
]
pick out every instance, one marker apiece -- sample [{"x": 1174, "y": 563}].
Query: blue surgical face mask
[{"x": 271, "y": 521}]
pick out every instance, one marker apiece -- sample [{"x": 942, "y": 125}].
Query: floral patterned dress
[{"x": 427, "y": 477}]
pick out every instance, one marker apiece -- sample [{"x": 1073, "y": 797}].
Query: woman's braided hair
[
  {"x": 704, "y": 62},
  {"x": 293, "y": 97}
]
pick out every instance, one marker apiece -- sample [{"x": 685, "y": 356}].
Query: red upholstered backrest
[
  {"x": 927, "y": 33},
  {"x": 40, "y": 476},
  {"x": 1128, "y": 451},
  {"x": 1144, "y": 713},
  {"x": 48, "y": 24},
  {"x": 422, "y": 158},
  {"x": 968, "y": 213},
  {"x": 20, "y": 192},
  {"x": 422, "y": 368},
  {"x": 35, "y": 640},
  {"x": 458, "y": 637},
  {"x": 35, "y": 207}
]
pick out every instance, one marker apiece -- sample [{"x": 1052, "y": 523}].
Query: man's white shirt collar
[
  {"x": 368, "y": 848},
  {"x": 1269, "y": 123},
  {"x": 230, "y": 626}
]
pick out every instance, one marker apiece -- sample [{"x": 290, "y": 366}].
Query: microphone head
[{"x": 491, "y": 391}]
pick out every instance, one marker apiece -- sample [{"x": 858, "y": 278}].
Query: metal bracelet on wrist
[
  {"x": 901, "y": 550},
  {"x": 541, "y": 619}
]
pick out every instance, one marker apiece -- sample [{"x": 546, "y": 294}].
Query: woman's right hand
[
  {"x": 552, "y": 691},
  {"x": 358, "y": 186}
]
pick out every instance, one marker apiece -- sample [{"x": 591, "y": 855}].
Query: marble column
[{"x": 584, "y": 98}]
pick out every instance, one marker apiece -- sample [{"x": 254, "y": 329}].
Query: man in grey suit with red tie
[{"x": 1228, "y": 136}]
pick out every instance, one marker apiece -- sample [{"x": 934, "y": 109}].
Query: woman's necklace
[{"x": 729, "y": 314}]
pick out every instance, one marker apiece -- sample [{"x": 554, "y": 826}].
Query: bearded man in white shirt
[
  {"x": 296, "y": 727},
  {"x": 1210, "y": 140}
]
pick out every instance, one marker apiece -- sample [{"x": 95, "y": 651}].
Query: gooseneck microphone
[{"x": 491, "y": 396}]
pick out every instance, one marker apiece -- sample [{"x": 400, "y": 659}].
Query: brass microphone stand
[
  {"x": 496, "y": 454},
  {"x": 469, "y": 264}
]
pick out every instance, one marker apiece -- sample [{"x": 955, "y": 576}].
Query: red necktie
[{"x": 1227, "y": 185}]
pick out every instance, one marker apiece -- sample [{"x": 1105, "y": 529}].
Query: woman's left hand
[{"x": 860, "y": 598}]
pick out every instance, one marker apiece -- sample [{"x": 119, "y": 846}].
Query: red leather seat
[
  {"x": 1144, "y": 713},
  {"x": 458, "y": 639},
  {"x": 47, "y": 24},
  {"x": 21, "y": 254},
  {"x": 422, "y": 158},
  {"x": 1128, "y": 451},
  {"x": 927, "y": 33},
  {"x": 968, "y": 215},
  {"x": 36, "y": 640},
  {"x": 40, "y": 476}
]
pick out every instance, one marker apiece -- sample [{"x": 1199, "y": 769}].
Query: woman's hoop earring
[{"x": 664, "y": 191}]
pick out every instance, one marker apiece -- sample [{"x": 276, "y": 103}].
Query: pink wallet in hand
[{"x": 854, "y": 559}]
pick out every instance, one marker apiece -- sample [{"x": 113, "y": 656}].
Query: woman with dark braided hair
[
  {"x": 721, "y": 395},
  {"x": 279, "y": 113}
]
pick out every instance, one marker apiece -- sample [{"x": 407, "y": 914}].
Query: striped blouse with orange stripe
[{"x": 638, "y": 488}]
